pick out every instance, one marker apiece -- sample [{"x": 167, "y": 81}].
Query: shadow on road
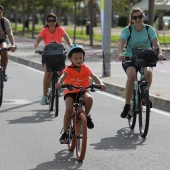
[
  {"x": 38, "y": 117},
  {"x": 20, "y": 106},
  {"x": 63, "y": 160},
  {"x": 125, "y": 139}
]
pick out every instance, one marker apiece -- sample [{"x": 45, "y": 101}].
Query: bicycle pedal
[{"x": 64, "y": 142}]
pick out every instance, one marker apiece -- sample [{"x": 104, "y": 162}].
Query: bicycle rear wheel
[
  {"x": 71, "y": 134},
  {"x": 81, "y": 136},
  {"x": 56, "y": 102},
  {"x": 1, "y": 86},
  {"x": 132, "y": 113},
  {"x": 144, "y": 111},
  {"x": 51, "y": 96}
]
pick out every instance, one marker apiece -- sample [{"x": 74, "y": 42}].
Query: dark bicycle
[
  {"x": 141, "y": 104},
  {"x": 54, "y": 56},
  {"x": 1, "y": 76}
]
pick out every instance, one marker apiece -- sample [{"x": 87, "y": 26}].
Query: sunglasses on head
[
  {"x": 53, "y": 20},
  {"x": 139, "y": 16}
]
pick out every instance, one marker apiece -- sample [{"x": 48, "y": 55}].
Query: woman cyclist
[
  {"x": 51, "y": 33},
  {"x": 139, "y": 37}
]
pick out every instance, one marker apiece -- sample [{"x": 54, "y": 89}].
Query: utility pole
[
  {"x": 106, "y": 6},
  {"x": 91, "y": 22},
  {"x": 151, "y": 12}
]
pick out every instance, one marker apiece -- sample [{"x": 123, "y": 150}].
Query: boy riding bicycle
[{"x": 77, "y": 74}]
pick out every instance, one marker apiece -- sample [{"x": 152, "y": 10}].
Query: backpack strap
[
  {"x": 3, "y": 25},
  {"x": 130, "y": 29},
  {"x": 147, "y": 27}
]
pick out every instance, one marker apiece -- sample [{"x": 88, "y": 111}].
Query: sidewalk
[{"x": 159, "y": 92}]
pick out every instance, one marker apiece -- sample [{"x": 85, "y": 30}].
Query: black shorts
[
  {"x": 126, "y": 64},
  {"x": 74, "y": 96},
  {"x": 3, "y": 40}
]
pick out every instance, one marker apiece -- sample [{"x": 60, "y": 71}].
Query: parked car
[{"x": 166, "y": 22}]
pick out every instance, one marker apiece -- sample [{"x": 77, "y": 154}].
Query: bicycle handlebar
[
  {"x": 41, "y": 52},
  {"x": 92, "y": 87},
  {"x": 129, "y": 58},
  {"x": 7, "y": 49}
]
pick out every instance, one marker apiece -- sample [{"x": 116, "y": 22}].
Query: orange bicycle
[{"x": 77, "y": 130}]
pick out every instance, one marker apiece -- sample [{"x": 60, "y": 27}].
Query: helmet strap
[{"x": 74, "y": 66}]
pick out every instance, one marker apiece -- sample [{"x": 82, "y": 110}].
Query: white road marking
[
  {"x": 15, "y": 101},
  {"x": 122, "y": 99}
]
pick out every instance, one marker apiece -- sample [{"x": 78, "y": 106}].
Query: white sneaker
[{"x": 43, "y": 100}]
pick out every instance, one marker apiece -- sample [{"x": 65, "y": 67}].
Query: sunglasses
[
  {"x": 139, "y": 16},
  {"x": 53, "y": 20}
]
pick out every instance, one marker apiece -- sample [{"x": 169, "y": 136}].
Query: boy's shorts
[{"x": 74, "y": 96}]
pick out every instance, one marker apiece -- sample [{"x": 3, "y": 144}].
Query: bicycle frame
[{"x": 137, "y": 88}]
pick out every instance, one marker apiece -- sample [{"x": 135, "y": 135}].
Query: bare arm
[
  {"x": 121, "y": 45},
  {"x": 36, "y": 43},
  {"x": 67, "y": 39},
  {"x": 61, "y": 80},
  {"x": 156, "y": 44},
  {"x": 11, "y": 39},
  {"x": 98, "y": 81}
]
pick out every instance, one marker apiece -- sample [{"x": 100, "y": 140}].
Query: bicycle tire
[
  {"x": 132, "y": 114},
  {"x": 1, "y": 86},
  {"x": 51, "y": 101},
  {"x": 81, "y": 136},
  {"x": 71, "y": 134},
  {"x": 144, "y": 113},
  {"x": 56, "y": 102},
  {"x": 52, "y": 96}
]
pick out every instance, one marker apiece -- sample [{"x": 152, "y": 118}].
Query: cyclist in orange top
[
  {"x": 77, "y": 74},
  {"x": 51, "y": 33}
]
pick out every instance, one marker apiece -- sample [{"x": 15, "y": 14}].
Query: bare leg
[
  {"x": 131, "y": 77},
  {"x": 89, "y": 102},
  {"x": 46, "y": 80},
  {"x": 148, "y": 75},
  {"x": 4, "y": 57},
  {"x": 69, "y": 108}
]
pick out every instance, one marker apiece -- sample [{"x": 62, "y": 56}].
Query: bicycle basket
[
  {"x": 54, "y": 57},
  {"x": 144, "y": 57}
]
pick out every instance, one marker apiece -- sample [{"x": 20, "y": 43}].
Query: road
[{"x": 30, "y": 133}]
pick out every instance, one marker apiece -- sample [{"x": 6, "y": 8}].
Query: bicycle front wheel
[
  {"x": 56, "y": 102},
  {"x": 51, "y": 100},
  {"x": 144, "y": 111},
  {"x": 1, "y": 86},
  {"x": 81, "y": 136},
  {"x": 132, "y": 113}
]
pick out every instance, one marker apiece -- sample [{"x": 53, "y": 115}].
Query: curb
[{"x": 159, "y": 103}]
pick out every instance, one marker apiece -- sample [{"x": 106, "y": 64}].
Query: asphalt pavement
[{"x": 115, "y": 84}]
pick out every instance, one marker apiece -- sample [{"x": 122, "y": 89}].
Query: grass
[{"x": 82, "y": 34}]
